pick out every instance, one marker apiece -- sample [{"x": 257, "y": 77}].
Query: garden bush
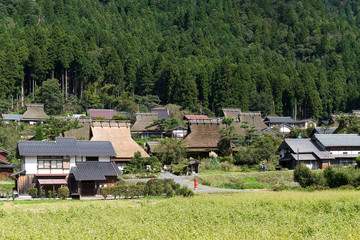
[
  {"x": 212, "y": 164},
  {"x": 63, "y": 193},
  {"x": 336, "y": 177},
  {"x": 33, "y": 192},
  {"x": 226, "y": 166},
  {"x": 185, "y": 192},
  {"x": 302, "y": 175},
  {"x": 104, "y": 191}
]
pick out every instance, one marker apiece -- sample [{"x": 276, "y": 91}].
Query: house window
[
  {"x": 53, "y": 164},
  {"x": 345, "y": 152},
  {"x": 92, "y": 159},
  {"x": 50, "y": 162}
]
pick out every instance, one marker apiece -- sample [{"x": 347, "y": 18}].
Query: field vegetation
[
  {"x": 271, "y": 215},
  {"x": 247, "y": 180}
]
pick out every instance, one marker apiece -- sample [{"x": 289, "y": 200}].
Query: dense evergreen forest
[{"x": 281, "y": 57}]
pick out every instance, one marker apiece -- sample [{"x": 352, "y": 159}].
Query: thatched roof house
[
  {"x": 118, "y": 133},
  {"x": 142, "y": 121},
  {"x": 82, "y": 132},
  {"x": 253, "y": 119},
  {"x": 105, "y": 113},
  {"x": 34, "y": 112},
  {"x": 203, "y": 136}
]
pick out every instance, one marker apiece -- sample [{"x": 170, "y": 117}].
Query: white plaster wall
[
  {"x": 43, "y": 171},
  {"x": 104, "y": 159},
  {"x": 72, "y": 161},
  {"x": 31, "y": 165},
  {"x": 348, "y": 152}
]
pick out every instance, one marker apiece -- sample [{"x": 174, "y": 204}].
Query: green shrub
[
  {"x": 212, "y": 164},
  {"x": 346, "y": 187},
  {"x": 50, "y": 194},
  {"x": 336, "y": 177},
  {"x": 226, "y": 159},
  {"x": 185, "y": 192},
  {"x": 226, "y": 166},
  {"x": 245, "y": 168},
  {"x": 63, "y": 193},
  {"x": 302, "y": 175},
  {"x": 33, "y": 192},
  {"x": 104, "y": 191},
  {"x": 43, "y": 193},
  {"x": 318, "y": 179}
]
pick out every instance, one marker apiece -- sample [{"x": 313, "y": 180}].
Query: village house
[
  {"x": 6, "y": 168},
  {"x": 142, "y": 121},
  {"x": 162, "y": 112},
  {"x": 203, "y": 137},
  {"x": 253, "y": 119},
  {"x": 34, "y": 114},
  {"x": 83, "y": 166},
  {"x": 320, "y": 151},
  {"x": 102, "y": 113},
  {"x": 118, "y": 133}
]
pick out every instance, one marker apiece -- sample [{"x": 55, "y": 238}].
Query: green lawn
[
  {"x": 271, "y": 215},
  {"x": 250, "y": 180}
]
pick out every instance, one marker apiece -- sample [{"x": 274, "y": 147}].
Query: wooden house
[
  {"x": 142, "y": 121},
  {"x": 103, "y": 113},
  {"x": 118, "y": 133},
  {"x": 84, "y": 166},
  {"x": 34, "y": 114},
  {"x": 203, "y": 137},
  {"x": 253, "y": 119},
  {"x": 6, "y": 168},
  {"x": 320, "y": 151}
]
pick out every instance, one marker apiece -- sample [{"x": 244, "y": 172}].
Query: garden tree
[
  {"x": 348, "y": 124},
  {"x": 140, "y": 164},
  {"x": 50, "y": 95},
  {"x": 265, "y": 147},
  {"x": 39, "y": 135},
  {"x": 163, "y": 124},
  {"x": 120, "y": 117},
  {"x": 249, "y": 132},
  {"x": 227, "y": 134},
  {"x": 57, "y": 127},
  {"x": 171, "y": 150},
  {"x": 227, "y": 121}
]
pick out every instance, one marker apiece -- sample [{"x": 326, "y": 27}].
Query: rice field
[{"x": 272, "y": 215}]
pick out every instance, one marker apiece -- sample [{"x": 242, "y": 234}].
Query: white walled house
[
  {"x": 83, "y": 166},
  {"x": 321, "y": 151}
]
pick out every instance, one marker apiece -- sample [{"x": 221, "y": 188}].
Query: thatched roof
[
  {"x": 203, "y": 134},
  {"x": 143, "y": 120},
  {"x": 231, "y": 112},
  {"x": 83, "y": 132},
  {"x": 35, "y": 111},
  {"x": 118, "y": 133}
]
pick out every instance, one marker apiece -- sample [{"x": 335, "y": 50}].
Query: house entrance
[{"x": 88, "y": 188}]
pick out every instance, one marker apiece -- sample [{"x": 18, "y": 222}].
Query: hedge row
[
  {"x": 122, "y": 191},
  {"x": 154, "y": 187}
]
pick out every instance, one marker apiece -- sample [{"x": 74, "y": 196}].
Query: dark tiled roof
[
  {"x": 162, "y": 112},
  {"x": 338, "y": 140},
  {"x": 94, "y": 171},
  {"x": 279, "y": 120},
  {"x": 4, "y": 164},
  {"x": 267, "y": 130},
  {"x": 66, "y": 146},
  {"x": 12, "y": 117},
  {"x": 330, "y": 130}
]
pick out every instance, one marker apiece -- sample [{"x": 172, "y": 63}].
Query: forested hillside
[{"x": 272, "y": 56}]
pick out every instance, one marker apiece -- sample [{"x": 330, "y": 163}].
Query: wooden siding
[{"x": 24, "y": 183}]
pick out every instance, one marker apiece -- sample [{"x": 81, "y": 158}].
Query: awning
[{"x": 52, "y": 181}]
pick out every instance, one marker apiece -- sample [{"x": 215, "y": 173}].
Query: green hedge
[
  {"x": 122, "y": 191},
  {"x": 63, "y": 193},
  {"x": 33, "y": 192}
]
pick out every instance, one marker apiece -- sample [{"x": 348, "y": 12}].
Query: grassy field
[
  {"x": 251, "y": 180},
  {"x": 271, "y": 215}
]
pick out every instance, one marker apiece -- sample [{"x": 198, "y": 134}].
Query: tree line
[{"x": 280, "y": 57}]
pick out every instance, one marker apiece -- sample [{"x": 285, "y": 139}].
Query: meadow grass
[
  {"x": 271, "y": 215},
  {"x": 264, "y": 180}
]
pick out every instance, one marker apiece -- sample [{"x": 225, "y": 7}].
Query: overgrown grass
[
  {"x": 273, "y": 215},
  {"x": 7, "y": 186},
  {"x": 251, "y": 180}
]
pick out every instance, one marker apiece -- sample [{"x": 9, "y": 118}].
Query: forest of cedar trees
[{"x": 279, "y": 57}]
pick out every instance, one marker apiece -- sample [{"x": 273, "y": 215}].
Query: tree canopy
[{"x": 279, "y": 57}]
